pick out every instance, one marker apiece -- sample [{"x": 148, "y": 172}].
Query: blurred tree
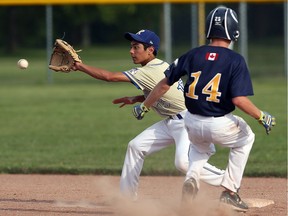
[
  {"x": 265, "y": 20},
  {"x": 110, "y": 28},
  {"x": 73, "y": 22},
  {"x": 25, "y": 26},
  {"x": 11, "y": 36},
  {"x": 87, "y": 22},
  {"x": 8, "y": 16}
]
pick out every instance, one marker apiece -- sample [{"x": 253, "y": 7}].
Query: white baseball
[{"x": 22, "y": 63}]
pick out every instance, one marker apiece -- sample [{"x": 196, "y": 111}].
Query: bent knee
[
  {"x": 133, "y": 145},
  {"x": 250, "y": 140},
  {"x": 137, "y": 147},
  {"x": 181, "y": 165}
]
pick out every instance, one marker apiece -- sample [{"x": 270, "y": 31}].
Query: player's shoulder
[
  {"x": 224, "y": 50},
  {"x": 221, "y": 52},
  {"x": 155, "y": 66},
  {"x": 157, "y": 63}
]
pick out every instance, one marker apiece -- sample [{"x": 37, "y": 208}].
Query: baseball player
[
  {"x": 218, "y": 80},
  {"x": 143, "y": 51}
]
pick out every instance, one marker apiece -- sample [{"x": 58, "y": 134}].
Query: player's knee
[
  {"x": 250, "y": 141},
  {"x": 252, "y": 137},
  {"x": 181, "y": 165},
  {"x": 134, "y": 146}
]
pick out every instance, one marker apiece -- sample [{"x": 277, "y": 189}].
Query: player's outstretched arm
[
  {"x": 129, "y": 100},
  {"x": 264, "y": 118},
  {"x": 101, "y": 74}
]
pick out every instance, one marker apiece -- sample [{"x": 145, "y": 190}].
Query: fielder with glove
[
  {"x": 144, "y": 46},
  {"x": 63, "y": 56}
]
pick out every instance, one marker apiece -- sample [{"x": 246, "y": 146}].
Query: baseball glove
[{"x": 63, "y": 56}]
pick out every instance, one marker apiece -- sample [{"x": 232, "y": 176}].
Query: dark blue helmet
[{"x": 222, "y": 22}]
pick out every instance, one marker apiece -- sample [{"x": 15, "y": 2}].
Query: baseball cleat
[
  {"x": 234, "y": 201},
  {"x": 189, "y": 190}
]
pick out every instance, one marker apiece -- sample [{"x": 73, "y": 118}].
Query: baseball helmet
[{"x": 222, "y": 22}]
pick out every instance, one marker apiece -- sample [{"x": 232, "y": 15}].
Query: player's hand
[
  {"x": 75, "y": 67},
  {"x": 139, "y": 111},
  {"x": 267, "y": 120},
  {"x": 124, "y": 101}
]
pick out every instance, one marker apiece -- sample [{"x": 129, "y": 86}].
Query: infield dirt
[{"x": 158, "y": 196}]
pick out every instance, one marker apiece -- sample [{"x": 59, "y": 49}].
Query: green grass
[{"x": 71, "y": 126}]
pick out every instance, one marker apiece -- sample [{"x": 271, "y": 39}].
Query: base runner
[{"x": 218, "y": 81}]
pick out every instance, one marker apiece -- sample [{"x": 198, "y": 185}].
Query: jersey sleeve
[
  {"x": 241, "y": 84},
  {"x": 135, "y": 75},
  {"x": 146, "y": 77},
  {"x": 177, "y": 69}
]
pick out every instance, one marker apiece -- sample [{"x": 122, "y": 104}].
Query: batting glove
[
  {"x": 139, "y": 111},
  {"x": 267, "y": 120}
]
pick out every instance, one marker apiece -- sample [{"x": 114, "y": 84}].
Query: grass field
[{"x": 71, "y": 126}]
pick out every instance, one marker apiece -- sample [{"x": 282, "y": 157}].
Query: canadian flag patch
[{"x": 211, "y": 56}]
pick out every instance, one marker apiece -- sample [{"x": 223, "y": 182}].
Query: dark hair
[{"x": 149, "y": 45}]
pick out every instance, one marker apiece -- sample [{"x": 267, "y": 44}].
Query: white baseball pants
[
  {"x": 228, "y": 131},
  {"x": 156, "y": 137}
]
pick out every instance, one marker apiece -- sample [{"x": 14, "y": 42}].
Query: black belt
[{"x": 176, "y": 117}]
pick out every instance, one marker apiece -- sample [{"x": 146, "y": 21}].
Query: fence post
[
  {"x": 49, "y": 33},
  {"x": 167, "y": 32}
]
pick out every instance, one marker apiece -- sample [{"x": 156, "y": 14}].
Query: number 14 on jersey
[{"x": 210, "y": 89}]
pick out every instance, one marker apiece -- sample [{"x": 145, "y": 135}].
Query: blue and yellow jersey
[{"x": 215, "y": 75}]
